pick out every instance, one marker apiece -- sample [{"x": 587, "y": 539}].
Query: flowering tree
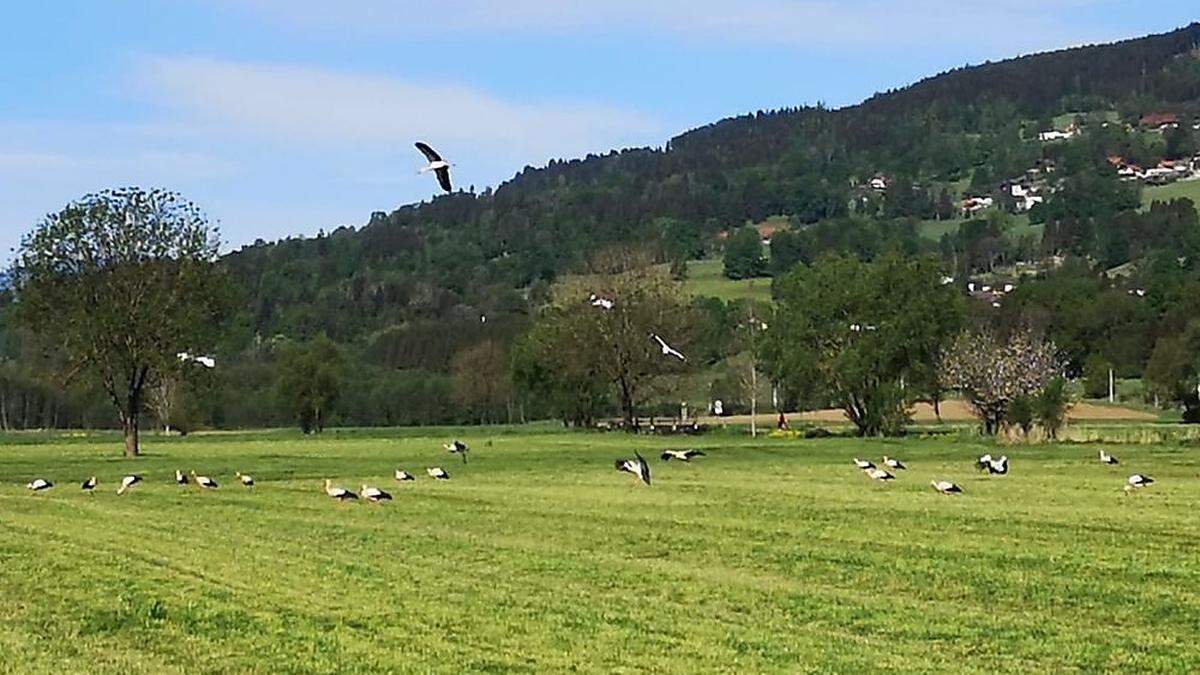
[{"x": 992, "y": 371}]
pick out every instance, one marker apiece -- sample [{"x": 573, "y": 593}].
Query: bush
[
  {"x": 1095, "y": 376},
  {"x": 1051, "y": 406},
  {"x": 1020, "y": 414}
]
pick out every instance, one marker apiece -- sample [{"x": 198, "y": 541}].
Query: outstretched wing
[
  {"x": 443, "y": 176},
  {"x": 429, "y": 152},
  {"x": 643, "y": 468}
]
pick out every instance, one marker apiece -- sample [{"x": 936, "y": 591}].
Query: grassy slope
[
  {"x": 707, "y": 277},
  {"x": 1164, "y": 193},
  {"x": 537, "y": 556},
  {"x": 934, "y": 229}
]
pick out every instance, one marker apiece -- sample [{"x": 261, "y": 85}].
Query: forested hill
[{"x": 465, "y": 254}]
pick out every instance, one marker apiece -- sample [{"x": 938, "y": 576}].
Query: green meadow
[
  {"x": 1164, "y": 193},
  {"x": 767, "y": 555}
]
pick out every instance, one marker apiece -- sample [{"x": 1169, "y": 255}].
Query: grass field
[
  {"x": 1165, "y": 193},
  {"x": 707, "y": 278},
  {"x": 1021, "y": 227},
  {"x": 767, "y": 556}
]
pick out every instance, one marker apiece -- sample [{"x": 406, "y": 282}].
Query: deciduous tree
[
  {"x": 861, "y": 334},
  {"x": 120, "y": 283}
]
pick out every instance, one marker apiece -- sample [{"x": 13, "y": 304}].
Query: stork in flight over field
[
  {"x": 667, "y": 350},
  {"x": 439, "y": 166}
]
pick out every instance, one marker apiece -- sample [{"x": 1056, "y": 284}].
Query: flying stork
[
  {"x": 667, "y": 350},
  {"x": 439, "y": 166}
]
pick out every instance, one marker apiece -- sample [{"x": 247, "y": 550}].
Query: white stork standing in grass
[
  {"x": 998, "y": 467},
  {"x": 863, "y": 464},
  {"x": 879, "y": 475},
  {"x": 682, "y": 455},
  {"x": 180, "y": 478},
  {"x": 437, "y": 473},
  {"x": 88, "y": 485},
  {"x": 457, "y": 447},
  {"x": 374, "y": 494},
  {"x": 666, "y": 349},
  {"x": 402, "y": 475},
  {"x": 893, "y": 463},
  {"x": 1137, "y": 481},
  {"x": 248, "y": 481},
  {"x": 128, "y": 482},
  {"x": 1106, "y": 458},
  {"x": 439, "y": 166},
  {"x": 204, "y": 482},
  {"x": 638, "y": 467},
  {"x": 39, "y": 485},
  {"x": 945, "y": 487},
  {"x": 339, "y": 493}
]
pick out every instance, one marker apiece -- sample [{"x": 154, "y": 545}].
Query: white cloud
[
  {"x": 861, "y": 24},
  {"x": 313, "y": 106}
]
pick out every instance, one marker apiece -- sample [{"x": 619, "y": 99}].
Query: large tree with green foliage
[
  {"x": 863, "y": 334},
  {"x": 744, "y": 254},
  {"x": 121, "y": 283},
  {"x": 575, "y": 350},
  {"x": 311, "y": 377}
]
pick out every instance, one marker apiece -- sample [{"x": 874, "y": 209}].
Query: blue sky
[{"x": 283, "y": 117}]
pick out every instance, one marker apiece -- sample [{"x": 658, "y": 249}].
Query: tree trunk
[
  {"x": 129, "y": 420},
  {"x": 627, "y": 405}
]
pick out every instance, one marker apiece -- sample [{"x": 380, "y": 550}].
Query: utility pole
[
  {"x": 1112, "y": 394},
  {"x": 754, "y": 325}
]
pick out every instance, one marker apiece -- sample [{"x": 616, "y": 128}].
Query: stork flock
[
  {"x": 993, "y": 466},
  {"x": 206, "y": 483}
]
